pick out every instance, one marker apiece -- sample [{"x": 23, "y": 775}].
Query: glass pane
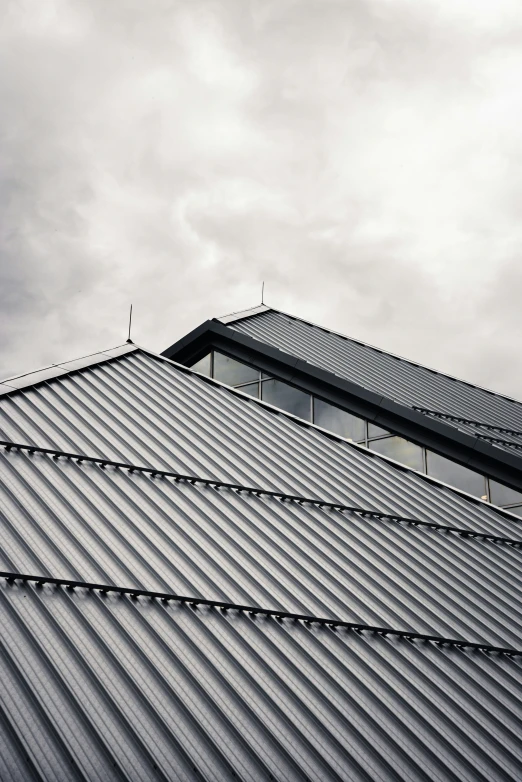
[
  {"x": 233, "y": 372},
  {"x": 401, "y": 450},
  {"x": 517, "y": 511},
  {"x": 455, "y": 474},
  {"x": 376, "y": 431},
  {"x": 502, "y": 495},
  {"x": 203, "y": 365},
  {"x": 336, "y": 420},
  {"x": 252, "y": 389},
  {"x": 287, "y": 398}
]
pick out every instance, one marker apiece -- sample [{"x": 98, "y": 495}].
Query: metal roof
[
  {"x": 110, "y": 688},
  {"x": 33, "y": 377},
  {"x": 99, "y": 686},
  {"x": 106, "y": 525},
  {"x": 142, "y": 409},
  {"x": 376, "y": 370}
]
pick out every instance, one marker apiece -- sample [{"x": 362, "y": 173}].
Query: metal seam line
[
  {"x": 253, "y": 610},
  {"x": 216, "y": 484}
]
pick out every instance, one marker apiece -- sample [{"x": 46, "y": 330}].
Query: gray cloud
[{"x": 362, "y": 158}]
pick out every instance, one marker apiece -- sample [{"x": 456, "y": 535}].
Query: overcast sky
[{"x": 363, "y": 157}]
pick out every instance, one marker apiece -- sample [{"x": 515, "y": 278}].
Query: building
[{"x": 271, "y": 552}]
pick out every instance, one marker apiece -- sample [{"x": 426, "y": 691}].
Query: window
[
  {"x": 233, "y": 372},
  {"x": 287, "y": 398},
  {"x": 203, "y": 365},
  {"x": 252, "y": 389},
  {"x": 339, "y": 421},
  {"x": 455, "y": 474},
  {"x": 258, "y": 384},
  {"x": 401, "y": 450},
  {"x": 376, "y": 431},
  {"x": 502, "y": 495}
]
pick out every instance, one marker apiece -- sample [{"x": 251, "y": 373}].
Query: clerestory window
[{"x": 256, "y": 383}]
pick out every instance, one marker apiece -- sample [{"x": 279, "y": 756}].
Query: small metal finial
[{"x": 130, "y": 323}]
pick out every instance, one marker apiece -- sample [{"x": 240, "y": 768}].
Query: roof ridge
[
  {"x": 58, "y": 364},
  {"x": 378, "y": 350},
  {"x": 243, "y": 314},
  {"x": 61, "y": 370}
]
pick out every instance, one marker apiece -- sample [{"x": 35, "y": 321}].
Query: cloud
[{"x": 363, "y": 159}]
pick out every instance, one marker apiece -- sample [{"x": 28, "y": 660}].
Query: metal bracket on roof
[
  {"x": 275, "y": 613},
  {"x": 258, "y": 492}
]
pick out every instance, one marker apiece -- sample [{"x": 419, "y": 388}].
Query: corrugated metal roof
[
  {"x": 396, "y": 378},
  {"x": 100, "y": 686},
  {"x": 109, "y": 688},
  {"x": 143, "y": 409},
  {"x": 79, "y": 521},
  {"x": 56, "y": 370}
]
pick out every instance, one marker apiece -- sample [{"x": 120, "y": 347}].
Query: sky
[{"x": 361, "y": 158}]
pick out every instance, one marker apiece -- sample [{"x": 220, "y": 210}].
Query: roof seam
[
  {"x": 280, "y": 614},
  {"x": 257, "y": 491}
]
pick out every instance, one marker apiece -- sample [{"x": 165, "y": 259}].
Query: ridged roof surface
[
  {"x": 104, "y": 525},
  {"x": 393, "y": 377},
  {"x": 110, "y": 688},
  {"x": 102, "y": 686},
  {"x": 142, "y": 409}
]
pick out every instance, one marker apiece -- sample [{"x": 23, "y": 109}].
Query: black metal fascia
[{"x": 466, "y": 449}]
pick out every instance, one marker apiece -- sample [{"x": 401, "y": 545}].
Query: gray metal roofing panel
[
  {"x": 28, "y": 379},
  {"x": 143, "y": 409},
  {"x": 109, "y": 688},
  {"x": 398, "y": 379},
  {"x": 80, "y": 521},
  {"x": 104, "y": 687}
]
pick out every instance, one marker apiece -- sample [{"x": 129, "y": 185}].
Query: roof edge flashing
[
  {"x": 28, "y": 380},
  {"x": 233, "y": 317}
]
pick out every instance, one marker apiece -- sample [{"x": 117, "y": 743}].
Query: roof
[
  {"x": 143, "y": 409},
  {"x": 109, "y": 688},
  {"x": 133, "y": 492},
  {"x": 27, "y": 379},
  {"x": 376, "y": 370}
]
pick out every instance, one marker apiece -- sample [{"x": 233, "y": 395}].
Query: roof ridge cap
[{"x": 98, "y": 357}]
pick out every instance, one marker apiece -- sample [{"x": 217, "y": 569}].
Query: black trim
[
  {"x": 275, "y": 613},
  {"x": 473, "y": 452}
]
